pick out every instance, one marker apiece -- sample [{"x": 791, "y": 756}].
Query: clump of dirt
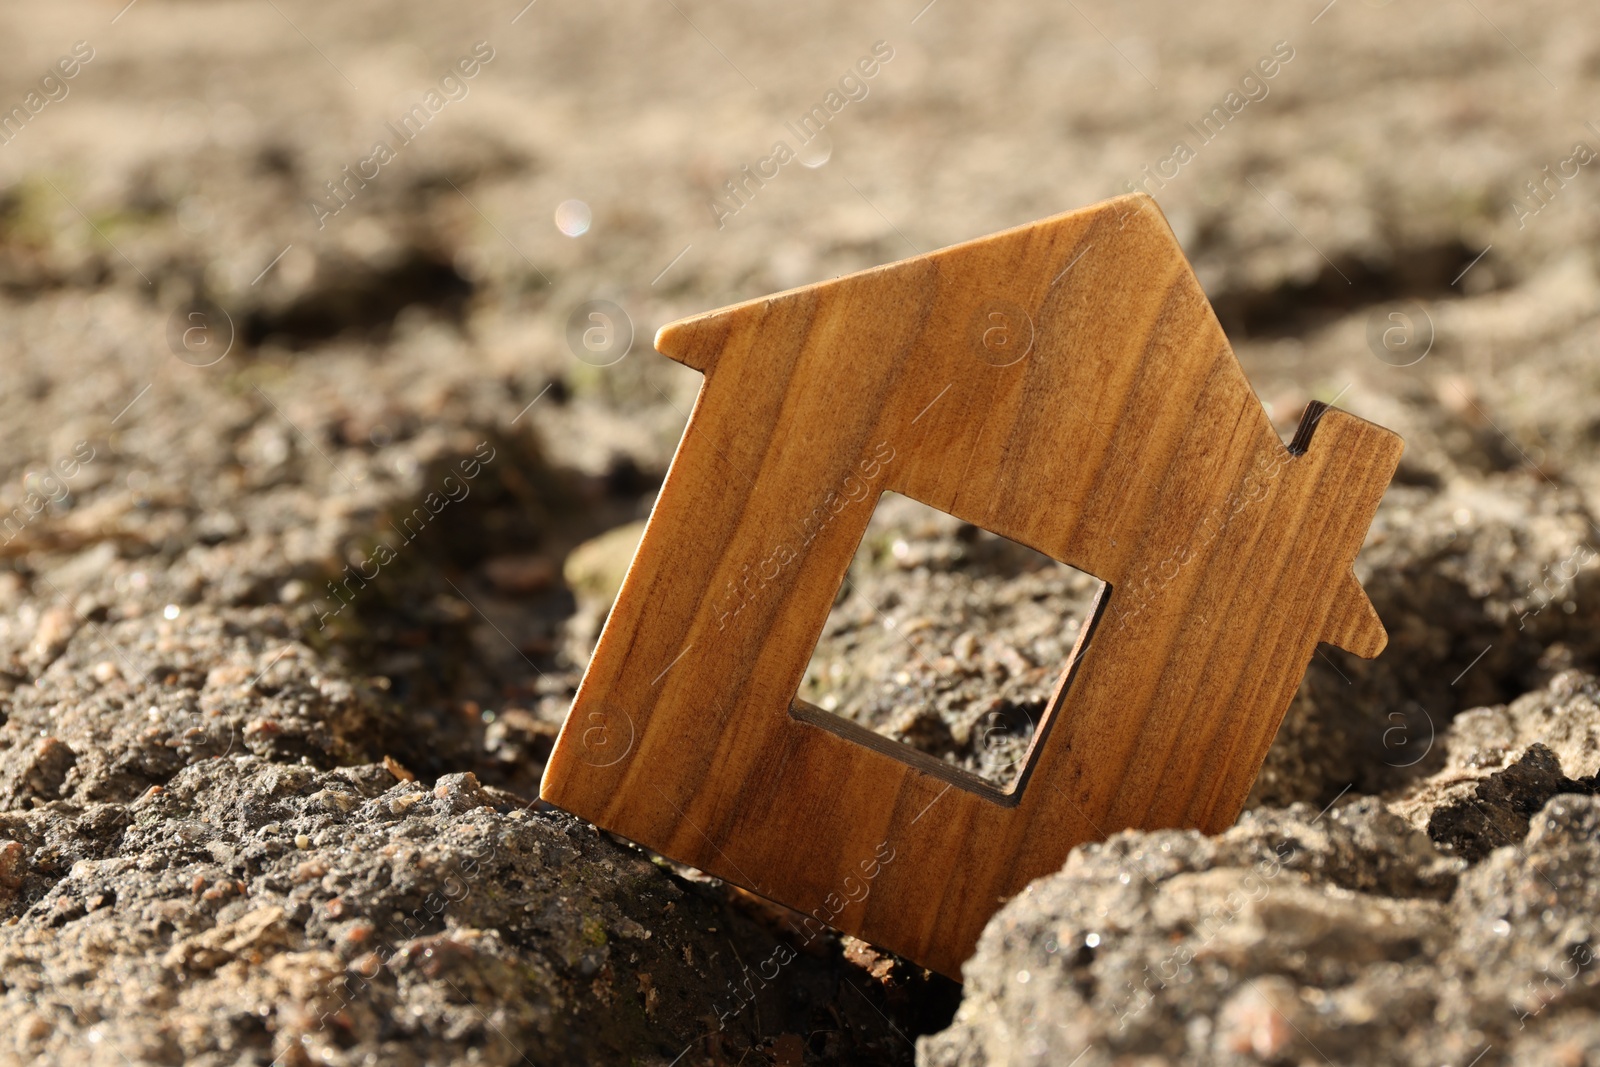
[
  {"x": 261, "y": 910},
  {"x": 1450, "y": 919},
  {"x": 949, "y": 638}
]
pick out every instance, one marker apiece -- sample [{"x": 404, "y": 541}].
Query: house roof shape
[{"x": 1064, "y": 384}]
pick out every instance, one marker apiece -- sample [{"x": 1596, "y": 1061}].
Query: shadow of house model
[{"x": 1063, "y": 384}]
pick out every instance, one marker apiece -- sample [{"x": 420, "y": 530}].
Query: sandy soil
[{"x": 297, "y": 441}]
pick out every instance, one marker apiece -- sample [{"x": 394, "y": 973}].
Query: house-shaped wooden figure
[{"x": 1064, "y": 384}]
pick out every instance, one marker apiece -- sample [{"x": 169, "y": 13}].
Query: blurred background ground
[{"x": 267, "y": 392}]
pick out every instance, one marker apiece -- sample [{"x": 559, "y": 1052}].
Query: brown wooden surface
[{"x": 1064, "y": 384}]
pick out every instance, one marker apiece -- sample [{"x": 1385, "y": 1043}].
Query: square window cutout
[{"x": 948, "y": 642}]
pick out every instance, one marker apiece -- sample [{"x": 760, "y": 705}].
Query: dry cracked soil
[{"x": 316, "y": 482}]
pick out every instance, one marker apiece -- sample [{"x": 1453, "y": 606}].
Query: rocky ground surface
[
  {"x": 311, "y": 508},
  {"x": 1448, "y": 923}
]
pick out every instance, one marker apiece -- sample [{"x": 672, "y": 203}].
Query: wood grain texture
[{"x": 1064, "y": 384}]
